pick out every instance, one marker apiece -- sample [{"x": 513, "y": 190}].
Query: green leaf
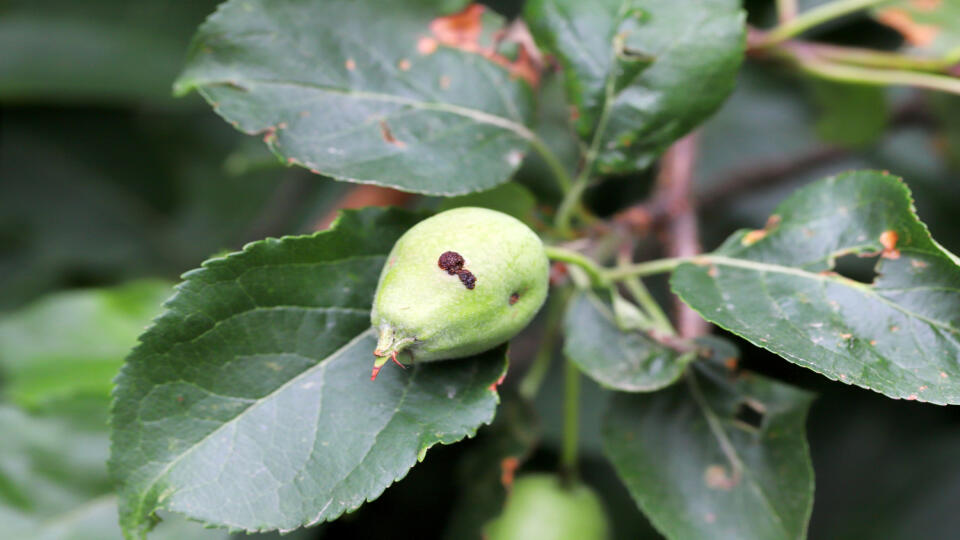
[
  {"x": 364, "y": 91},
  {"x": 54, "y": 484},
  {"x": 105, "y": 52},
  {"x": 899, "y": 335},
  {"x": 641, "y": 73},
  {"x": 623, "y": 359},
  {"x": 71, "y": 344},
  {"x": 849, "y": 115},
  {"x": 698, "y": 470},
  {"x": 249, "y": 403},
  {"x": 510, "y": 198}
]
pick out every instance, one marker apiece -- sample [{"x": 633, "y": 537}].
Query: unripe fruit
[
  {"x": 540, "y": 507},
  {"x": 457, "y": 284}
]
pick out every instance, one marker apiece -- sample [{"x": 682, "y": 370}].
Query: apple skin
[
  {"x": 432, "y": 305},
  {"x": 541, "y": 507}
]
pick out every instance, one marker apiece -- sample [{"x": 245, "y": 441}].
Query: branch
[
  {"x": 675, "y": 181},
  {"x": 360, "y": 196}
]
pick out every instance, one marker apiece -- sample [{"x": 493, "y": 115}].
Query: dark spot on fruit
[
  {"x": 513, "y": 298},
  {"x": 451, "y": 261},
  {"x": 467, "y": 278}
]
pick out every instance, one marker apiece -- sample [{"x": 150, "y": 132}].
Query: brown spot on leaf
[
  {"x": 574, "y": 113},
  {"x": 451, "y": 261},
  {"x": 270, "y": 135},
  {"x": 920, "y": 35},
  {"x": 463, "y": 30},
  {"x": 716, "y": 477},
  {"x": 894, "y": 328},
  {"x": 404, "y": 65},
  {"x": 731, "y": 363},
  {"x": 713, "y": 272},
  {"x": 873, "y": 342},
  {"x": 917, "y": 263},
  {"x": 514, "y": 298},
  {"x": 388, "y": 135},
  {"x": 925, "y": 5},
  {"x": 445, "y": 82},
  {"x": 753, "y": 237},
  {"x": 426, "y": 45},
  {"x": 846, "y": 336},
  {"x": 943, "y": 374},
  {"x": 912, "y": 397},
  {"x": 350, "y": 64},
  {"x": 888, "y": 239},
  {"x": 922, "y": 388}
]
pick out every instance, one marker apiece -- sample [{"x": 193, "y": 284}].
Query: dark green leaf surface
[
  {"x": 249, "y": 403},
  {"x": 899, "y": 335},
  {"x": 628, "y": 360},
  {"x": 510, "y": 198},
  {"x": 697, "y": 471},
  {"x": 353, "y": 90},
  {"x": 71, "y": 344},
  {"x": 641, "y": 73},
  {"x": 107, "y": 51},
  {"x": 850, "y": 115}
]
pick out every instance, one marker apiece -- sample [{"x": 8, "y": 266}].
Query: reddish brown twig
[
  {"x": 360, "y": 196},
  {"x": 675, "y": 194}
]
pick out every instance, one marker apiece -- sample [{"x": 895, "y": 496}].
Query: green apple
[
  {"x": 541, "y": 507},
  {"x": 457, "y": 284}
]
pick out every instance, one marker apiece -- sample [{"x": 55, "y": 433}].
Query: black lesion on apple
[
  {"x": 514, "y": 297},
  {"x": 467, "y": 278},
  {"x": 451, "y": 261}
]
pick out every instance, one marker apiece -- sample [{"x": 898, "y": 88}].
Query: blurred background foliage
[{"x": 110, "y": 188}]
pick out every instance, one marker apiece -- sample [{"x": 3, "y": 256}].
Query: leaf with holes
[
  {"x": 622, "y": 359},
  {"x": 249, "y": 403},
  {"x": 720, "y": 456},
  {"x": 899, "y": 335},
  {"x": 367, "y": 91},
  {"x": 640, "y": 73}
]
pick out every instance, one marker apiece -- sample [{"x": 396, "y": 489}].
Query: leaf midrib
[
  {"x": 467, "y": 112},
  {"x": 838, "y": 280}
]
